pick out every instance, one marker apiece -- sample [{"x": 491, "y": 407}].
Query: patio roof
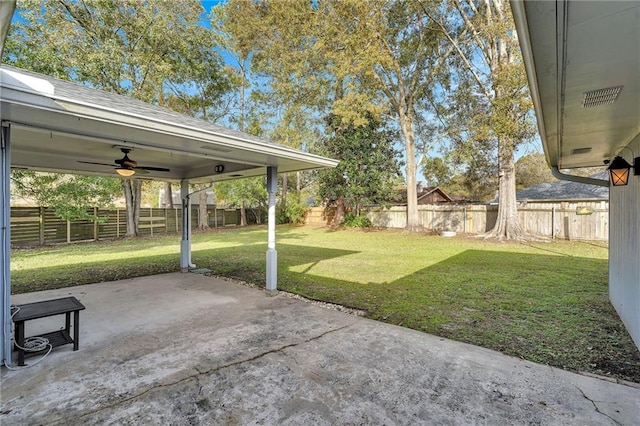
[{"x": 58, "y": 126}]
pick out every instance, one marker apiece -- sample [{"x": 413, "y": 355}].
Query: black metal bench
[{"x": 47, "y": 308}]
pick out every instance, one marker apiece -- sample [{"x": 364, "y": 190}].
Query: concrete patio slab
[{"x": 186, "y": 349}]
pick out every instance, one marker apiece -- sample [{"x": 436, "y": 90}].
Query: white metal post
[
  {"x": 272, "y": 254},
  {"x": 185, "y": 243},
  {"x": 5, "y": 257}
]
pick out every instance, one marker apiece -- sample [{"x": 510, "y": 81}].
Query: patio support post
[
  {"x": 272, "y": 254},
  {"x": 185, "y": 243},
  {"x": 5, "y": 241}
]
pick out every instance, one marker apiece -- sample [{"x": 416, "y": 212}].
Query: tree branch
[{"x": 474, "y": 31}]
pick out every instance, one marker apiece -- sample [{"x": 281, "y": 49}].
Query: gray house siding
[{"x": 624, "y": 251}]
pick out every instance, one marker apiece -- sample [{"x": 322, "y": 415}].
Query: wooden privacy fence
[
  {"x": 39, "y": 225},
  {"x": 553, "y": 219}
]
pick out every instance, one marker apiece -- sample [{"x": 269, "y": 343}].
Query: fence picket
[
  {"x": 39, "y": 225},
  {"x": 553, "y": 219}
]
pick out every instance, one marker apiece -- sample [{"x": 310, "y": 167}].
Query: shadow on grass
[{"x": 544, "y": 308}]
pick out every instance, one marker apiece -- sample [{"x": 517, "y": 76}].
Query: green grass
[{"x": 545, "y": 302}]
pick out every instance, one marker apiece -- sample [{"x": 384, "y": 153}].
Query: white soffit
[{"x": 572, "y": 50}]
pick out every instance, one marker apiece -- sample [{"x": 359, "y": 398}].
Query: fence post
[
  {"x": 464, "y": 219},
  {"x": 151, "y": 220},
  {"x": 166, "y": 221},
  {"x": 553, "y": 222},
  {"x": 95, "y": 224},
  {"x": 117, "y": 223},
  {"x": 68, "y": 231},
  {"x": 41, "y": 225}
]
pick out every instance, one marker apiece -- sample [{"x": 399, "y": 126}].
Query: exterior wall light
[
  {"x": 125, "y": 171},
  {"x": 620, "y": 169}
]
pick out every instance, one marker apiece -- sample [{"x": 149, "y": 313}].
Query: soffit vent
[
  {"x": 599, "y": 97},
  {"x": 577, "y": 151}
]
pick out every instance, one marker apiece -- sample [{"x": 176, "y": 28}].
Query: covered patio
[
  {"x": 191, "y": 349},
  {"x": 57, "y": 126}
]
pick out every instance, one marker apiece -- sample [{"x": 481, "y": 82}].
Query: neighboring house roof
[
  {"x": 426, "y": 195},
  {"x": 565, "y": 190}
]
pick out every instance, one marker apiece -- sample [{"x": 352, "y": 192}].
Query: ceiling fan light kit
[
  {"x": 125, "y": 171},
  {"x": 127, "y": 167}
]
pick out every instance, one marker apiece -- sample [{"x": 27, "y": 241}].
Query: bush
[
  {"x": 292, "y": 213},
  {"x": 353, "y": 221}
]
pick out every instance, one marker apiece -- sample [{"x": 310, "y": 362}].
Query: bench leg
[
  {"x": 76, "y": 329},
  {"x": 20, "y": 342}
]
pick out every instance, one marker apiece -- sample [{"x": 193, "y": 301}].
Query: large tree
[
  {"x": 155, "y": 50},
  {"x": 369, "y": 166},
  {"x": 486, "y": 94},
  {"x": 349, "y": 58}
]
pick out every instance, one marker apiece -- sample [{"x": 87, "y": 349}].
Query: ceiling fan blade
[
  {"x": 153, "y": 169},
  {"x": 99, "y": 164}
]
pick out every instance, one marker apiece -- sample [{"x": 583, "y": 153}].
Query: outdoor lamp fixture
[
  {"x": 620, "y": 169},
  {"x": 125, "y": 171}
]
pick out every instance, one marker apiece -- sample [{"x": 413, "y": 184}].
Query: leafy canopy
[
  {"x": 369, "y": 164},
  {"x": 69, "y": 196}
]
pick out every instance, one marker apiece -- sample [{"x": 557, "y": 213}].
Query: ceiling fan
[{"x": 127, "y": 167}]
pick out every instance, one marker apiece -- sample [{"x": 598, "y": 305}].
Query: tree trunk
[
  {"x": 203, "y": 217},
  {"x": 132, "y": 194},
  {"x": 243, "y": 215},
  {"x": 507, "y": 224},
  {"x": 413, "y": 218},
  {"x": 167, "y": 201},
  {"x": 285, "y": 185},
  {"x": 340, "y": 211}
]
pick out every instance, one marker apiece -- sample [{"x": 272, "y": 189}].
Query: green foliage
[
  {"x": 531, "y": 170},
  {"x": 353, "y": 221},
  {"x": 249, "y": 192},
  {"x": 435, "y": 171},
  {"x": 155, "y": 51},
  {"x": 294, "y": 212},
  {"x": 368, "y": 168},
  {"x": 70, "y": 196}
]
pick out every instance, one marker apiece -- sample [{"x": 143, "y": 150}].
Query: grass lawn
[{"x": 544, "y": 302}]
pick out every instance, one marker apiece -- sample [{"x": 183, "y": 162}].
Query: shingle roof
[
  {"x": 126, "y": 104},
  {"x": 565, "y": 190}
]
